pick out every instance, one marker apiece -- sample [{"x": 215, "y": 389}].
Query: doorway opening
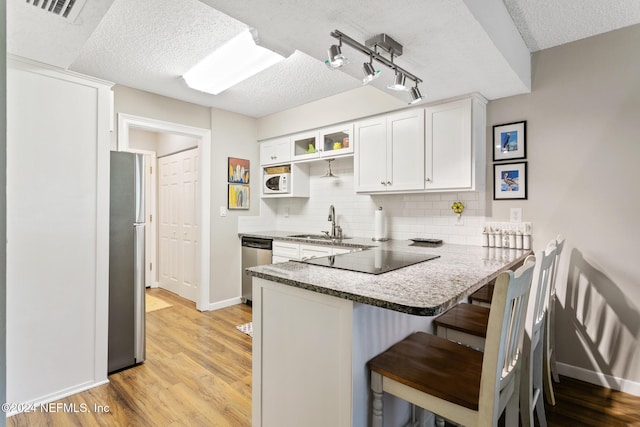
[{"x": 127, "y": 124}]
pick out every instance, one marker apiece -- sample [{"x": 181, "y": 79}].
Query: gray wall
[
  {"x": 583, "y": 151},
  {"x": 3, "y": 210},
  {"x": 232, "y": 135}
]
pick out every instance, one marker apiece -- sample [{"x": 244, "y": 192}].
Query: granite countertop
[{"x": 424, "y": 289}]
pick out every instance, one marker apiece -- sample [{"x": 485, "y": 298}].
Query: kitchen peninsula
[{"x": 315, "y": 327}]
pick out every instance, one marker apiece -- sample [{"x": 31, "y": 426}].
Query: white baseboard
[
  {"x": 223, "y": 304},
  {"x": 44, "y": 400},
  {"x": 598, "y": 378}
]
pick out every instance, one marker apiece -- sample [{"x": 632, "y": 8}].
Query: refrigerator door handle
[
  {"x": 139, "y": 293},
  {"x": 139, "y": 189}
]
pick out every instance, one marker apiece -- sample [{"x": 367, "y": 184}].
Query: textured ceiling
[
  {"x": 548, "y": 23},
  {"x": 455, "y": 46}
]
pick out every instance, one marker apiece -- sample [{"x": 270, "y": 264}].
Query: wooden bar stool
[
  {"x": 482, "y": 296},
  {"x": 456, "y": 323},
  {"x": 456, "y": 382},
  {"x": 550, "y": 368}
]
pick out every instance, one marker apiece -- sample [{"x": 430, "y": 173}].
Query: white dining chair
[
  {"x": 465, "y": 324},
  {"x": 454, "y": 381},
  {"x": 550, "y": 366}
]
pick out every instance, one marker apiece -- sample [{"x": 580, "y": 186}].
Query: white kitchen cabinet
[
  {"x": 298, "y": 180},
  {"x": 329, "y": 142},
  {"x": 275, "y": 151},
  {"x": 389, "y": 153},
  {"x": 314, "y": 251},
  {"x": 455, "y": 145},
  {"x": 284, "y": 251}
]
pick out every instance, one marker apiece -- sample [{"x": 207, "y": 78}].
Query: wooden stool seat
[
  {"x": 428, "y": 363},
  {"x": 464, "y": 323},
  {"x": 482, "y": 296}
]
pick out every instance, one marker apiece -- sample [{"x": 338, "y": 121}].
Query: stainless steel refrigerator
[{"x": 126, "y": 262}]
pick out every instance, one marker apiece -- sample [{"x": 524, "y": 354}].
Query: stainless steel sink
[{"x": 314, "y": 236}]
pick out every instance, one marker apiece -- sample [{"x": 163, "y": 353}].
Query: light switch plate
[
  {"x": 223, "y": 211},
  {"x": 516, "y": 215}
]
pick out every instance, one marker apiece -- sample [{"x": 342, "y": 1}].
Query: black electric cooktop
[{"x": 372, "y": 261}]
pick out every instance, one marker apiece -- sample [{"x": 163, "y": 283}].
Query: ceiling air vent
[{"x": 68, "y": 9}]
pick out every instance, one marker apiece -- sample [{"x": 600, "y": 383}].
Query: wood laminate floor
[{"x": 198, "y": 373}]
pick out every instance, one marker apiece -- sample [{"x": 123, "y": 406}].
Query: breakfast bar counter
[
  {"x": 425, "y": 289},
  {"x": 315, "y": 327}
]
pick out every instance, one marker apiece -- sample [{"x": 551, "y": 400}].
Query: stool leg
[{"x": 376, "y": 406}]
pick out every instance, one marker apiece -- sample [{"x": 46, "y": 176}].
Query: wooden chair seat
[
  {"x": 482, "y": 296},
  {"x": 428, "y": 363},
  {"x": 464, "y": 323}
]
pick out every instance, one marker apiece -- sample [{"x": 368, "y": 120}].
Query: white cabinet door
[
  {"x": 370, "y": 159},
  {"x": 275, "y": 151},
  {"x": 405, "y": 151},
  {"x": 336, "y": 140},
  {"x": 305, "y": 146},
  {"x": 448, "y": 154},
  {"x": 389, "y": 153}
]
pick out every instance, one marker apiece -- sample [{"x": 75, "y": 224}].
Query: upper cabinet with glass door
[{"x": 328, "y": 142}]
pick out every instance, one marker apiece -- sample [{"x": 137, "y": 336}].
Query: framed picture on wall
[
  {"x": 510, "y": 181},
  {"x": 238, "y": 170},
  {"x": 509, "y": 141},
  {"x": 238, "y": 196}
]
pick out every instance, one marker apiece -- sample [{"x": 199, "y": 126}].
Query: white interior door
[{"x": 178, "y": 247}]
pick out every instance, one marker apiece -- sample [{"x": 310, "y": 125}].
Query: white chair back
[{"x": 505, "y": 333}]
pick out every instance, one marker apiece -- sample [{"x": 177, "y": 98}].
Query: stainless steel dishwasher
[{"x": 255, "y": 251}]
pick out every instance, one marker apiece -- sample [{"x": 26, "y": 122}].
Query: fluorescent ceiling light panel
[{"x": 235, "y": 61}]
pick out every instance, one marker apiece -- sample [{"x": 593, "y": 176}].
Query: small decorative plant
[{"x": 457, "y": 208}]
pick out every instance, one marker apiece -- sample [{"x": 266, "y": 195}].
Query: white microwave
[{"x": 279, "y": 183}]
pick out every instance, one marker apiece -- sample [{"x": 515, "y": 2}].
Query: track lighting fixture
[
  {"x": 336, "y": 58},
  {"x": 383, "y": 42},
  {"x": 369, "y": 72},
  {"x": 416, "y": 96},
  {"x": 398, "y": 83}
]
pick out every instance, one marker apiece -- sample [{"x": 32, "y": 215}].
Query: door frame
[{"x": 127, "y": 122}]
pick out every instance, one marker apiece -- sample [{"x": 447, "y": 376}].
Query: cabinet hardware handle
[
  {"x": 382, "y": 182},
  {"x": 388, "y": 182},
  {"x": 428, "y": 179}
]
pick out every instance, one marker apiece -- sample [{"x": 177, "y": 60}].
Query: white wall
[{"x": 584, "y": 156}]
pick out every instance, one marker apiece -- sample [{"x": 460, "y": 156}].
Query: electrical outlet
[{"x": 516, "y": 215}]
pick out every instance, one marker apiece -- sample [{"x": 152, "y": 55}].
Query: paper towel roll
[{"x": 378, "y": 225}]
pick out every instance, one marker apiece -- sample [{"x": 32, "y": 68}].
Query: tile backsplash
[{"x": 426, "y": 215}]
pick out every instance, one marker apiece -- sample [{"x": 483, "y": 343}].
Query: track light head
[
  {"x": 398, "y": 83},
  {"x": 369, "y": 72},
  {"x": 416, "y": 96},
  {"x": 336, "y": 58}
]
